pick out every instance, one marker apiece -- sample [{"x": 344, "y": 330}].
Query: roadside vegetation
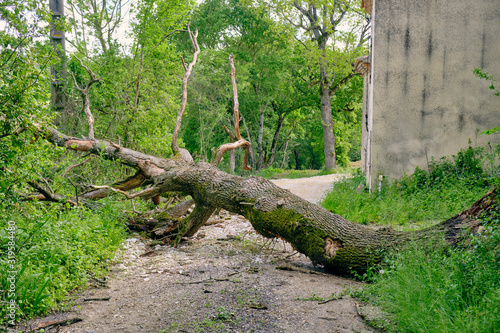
[
  {"x": 433, "y": 288},
  {"x": 276, "y": 173}
]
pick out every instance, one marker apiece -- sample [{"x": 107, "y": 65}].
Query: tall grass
[
  {"x": 442, "y": 290},
  {"x": 57, "y": 250}
]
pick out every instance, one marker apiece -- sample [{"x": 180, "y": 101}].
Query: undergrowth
[
  {"x": 433, "y": 287},
  {"x": 442, "y": 290},
  {"x": 57, "y": 249},
  {"x": 449, "y": 186}
]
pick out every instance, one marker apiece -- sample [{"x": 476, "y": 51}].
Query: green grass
[
  {"x": 422, "y": 198},
  {"x": 56, "y": 251},
  {"x": 442, "y": 290}
]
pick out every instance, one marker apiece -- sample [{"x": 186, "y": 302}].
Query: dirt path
[
  {"x": 312, "y": 189},
  {"x": 225, "y": 279}
]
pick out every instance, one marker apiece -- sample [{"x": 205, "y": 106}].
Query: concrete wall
[{"x": 426, "y": 100}]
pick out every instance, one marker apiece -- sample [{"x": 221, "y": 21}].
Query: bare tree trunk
[
  {"x": 296, "y": 155},
  {"x": 286, "y": 145},
  {"x": 272, "y": 154},
  {"x": 232, "y": 161},
  {"x": 284, "y": 153},
  {"x": 183, "y": 153},
  {"x": 328, "y": 136},
  {"x": 260, "y": 151},
  {"x": 251, "y": 156},
  {"x": 84, "y": 92},
  {"x": 327, "y": 119},
  {"x": 236, "y": 138}
]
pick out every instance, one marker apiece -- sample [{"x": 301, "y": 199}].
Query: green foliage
[
  {"x": 432, "y": 287},
  {"x": 347, "y": 108},
  {"x": 276, "y": 173},
  {"x": 24, "y": 91},
  {"x": 426, "y": 196},
  {"x": 485, "y": 76},
  {"x": 56, "y": 252},
  {"x": 223, "y": 314},
  {"x": 274, "y": 76}
]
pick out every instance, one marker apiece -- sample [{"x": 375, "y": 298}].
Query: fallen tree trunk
[{"x": 326, "y": 238}]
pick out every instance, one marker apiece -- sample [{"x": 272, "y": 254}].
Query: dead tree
[
  {"x": 183, "y": 153},
  {"x": 236, "y": 138},
  {"x": 326, "y": 238}
]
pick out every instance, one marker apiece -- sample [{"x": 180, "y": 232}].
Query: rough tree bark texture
[{"x": 327, "y": 239}]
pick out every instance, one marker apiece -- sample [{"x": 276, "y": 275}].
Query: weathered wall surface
[{"x": 426, "y": 100}]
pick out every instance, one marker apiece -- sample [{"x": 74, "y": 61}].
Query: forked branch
[
  {"x": 84, "y": 92},
  {"x": 236, "y": 108},
  {"x": 230, "y": 146},
  {"x": 238, "y": 141}
]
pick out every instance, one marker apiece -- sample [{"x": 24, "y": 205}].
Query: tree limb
[
  {"x": 236, "y": 109},
  {"x": 84, "y": 93},
  {"x": 238, "y": 140},
  {"x": 196, "y": 51},
  {"x": 75, "y": 166}
]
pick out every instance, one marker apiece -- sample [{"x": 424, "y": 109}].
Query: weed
[
  {"x": 443, "y": 290},
  {"x": 432, "y": 288},
  {"x": 246, "y": 297},
  {"x": 223, "y": 314},
  {"x": 313, "y": 297}
]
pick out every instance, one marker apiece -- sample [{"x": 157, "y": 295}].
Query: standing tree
[{"x": 334, "y": 35}]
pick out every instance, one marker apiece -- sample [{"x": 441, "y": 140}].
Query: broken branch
[
  {"x": 238, "y": 141},
  {"x": 187, "y": 74},
  {"x": 75, "y": 166},
  {"x": 84, "y": 93}
]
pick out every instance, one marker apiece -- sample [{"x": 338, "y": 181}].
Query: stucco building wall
[{"x": 426, "y": 101}]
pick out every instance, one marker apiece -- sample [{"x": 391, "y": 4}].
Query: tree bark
[
  {"x": 232, "y": 161},
  {"x": 189, "y": 69},
  {"x": 326, "y": 238},
  {"x": 328, "y": 136},
  {"x": 251, "y": 159}
]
